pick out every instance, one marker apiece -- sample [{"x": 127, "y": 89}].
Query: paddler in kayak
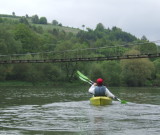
[{"x": 98, "y": 89}]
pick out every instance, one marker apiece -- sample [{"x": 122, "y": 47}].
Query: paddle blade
[
  {"x": 82, "y": 75},
  {"x": 84, "y": 80},
  {"x": 123, "y": 102}
]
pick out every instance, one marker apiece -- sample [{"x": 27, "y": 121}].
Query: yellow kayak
[{"x": 100, "y": 101}]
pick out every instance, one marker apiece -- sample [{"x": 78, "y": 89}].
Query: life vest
[{"x": 100, "y": 91}]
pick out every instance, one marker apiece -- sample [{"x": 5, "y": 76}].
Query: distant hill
[{"x": 47, "y": 26}]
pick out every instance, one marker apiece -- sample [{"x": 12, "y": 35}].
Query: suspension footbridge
[{"x": 84, "y": 54}]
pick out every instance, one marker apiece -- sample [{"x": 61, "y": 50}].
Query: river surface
[{"x": 67, "y": 111}]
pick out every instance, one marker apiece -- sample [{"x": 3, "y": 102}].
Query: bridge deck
[{"x": 81, "y": 59}]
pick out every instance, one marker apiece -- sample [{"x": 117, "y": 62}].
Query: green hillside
[
  {"x": 34, "y": 38},
  {"x": 47, "y": 26}
]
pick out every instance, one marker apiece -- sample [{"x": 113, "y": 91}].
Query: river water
[{"x": 66, "y": 111}]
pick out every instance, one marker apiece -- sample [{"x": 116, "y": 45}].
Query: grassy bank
[
  {"x": 22, "y": 83},
  {"x": 15, "y": 83}
]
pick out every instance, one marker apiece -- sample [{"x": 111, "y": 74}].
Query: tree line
[
  {"x": 35, "y": 19},
  {"x": 24, "y": 35}
]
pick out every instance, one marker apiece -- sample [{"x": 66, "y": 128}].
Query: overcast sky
[{"x": 138, "y": 17}]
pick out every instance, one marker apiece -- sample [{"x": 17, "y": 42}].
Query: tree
[
  {"x": 114, "y": 28},
  {"x": 53, "y": 72},
  {"x": 43, "y": 20},
  {"x": 35, "y": 74},
  {"x": 111, "y": 70},
  {"x": 13, "y": 13},
  {"x": 157, "y": 73},
  {"x": 100, "y": 42},
  {"x": 68, "y": 67},
  {"x": 100, "y": 27},
  {"x": 83, "y": 26},
  {"x": 19, "y": 72},
  {"x": 96, "y": 71},
  {"x": 60, "y": 24},
  {"x": 55, "y": 22},
  {"x": 3, "y": 73},
  {"x": 27, "y": 16},
  {"x": 87, "y": 36},
  {"x": 35, "y": 19},
  {"x": 28, "y": 39},
  {"x": 144, "y": 38},
  {"x": 24, "y": 20},
  {"x": 55, "y": 32},
  {"x": 136, "y": 72},
  {"x": 1, "y": 20},
  {"x": 147, "y": 48},
  {"x": 8, "y": 44},
  {"x": 116, "y": 34}
]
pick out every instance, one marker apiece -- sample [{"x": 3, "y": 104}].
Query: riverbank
[
  {"x": 50, "y": 83},
  {"x": 23, "y": 83}
]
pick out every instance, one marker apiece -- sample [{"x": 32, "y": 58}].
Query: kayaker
[{"x": 98, "y": 89}]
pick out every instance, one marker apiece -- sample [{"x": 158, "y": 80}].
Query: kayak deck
[{"x": 100, "y": 101}]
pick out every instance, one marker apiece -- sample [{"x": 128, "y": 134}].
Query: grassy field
[
  {"x": 50, "y": 27},
  {"x": 47, "y": 27}
]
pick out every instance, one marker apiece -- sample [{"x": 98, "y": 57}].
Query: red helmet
[{"x": 99, "y": 81}]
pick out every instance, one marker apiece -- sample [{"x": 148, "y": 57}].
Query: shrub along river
[{"x": 66, "y": 111}]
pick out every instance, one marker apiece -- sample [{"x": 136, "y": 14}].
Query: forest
[{"x": 24, "y": 34}]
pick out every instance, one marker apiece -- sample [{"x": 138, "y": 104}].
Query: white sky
[{"x": 138, "y": 17}]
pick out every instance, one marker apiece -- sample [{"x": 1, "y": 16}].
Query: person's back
[{"x": 100, "y": 91}]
